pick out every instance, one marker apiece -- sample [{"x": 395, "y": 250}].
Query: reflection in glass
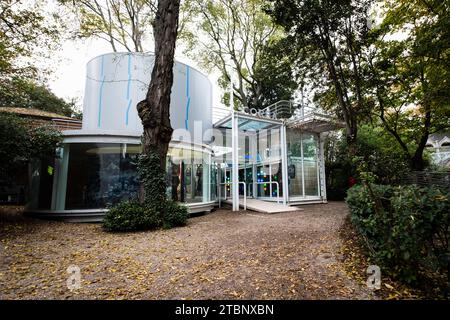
[
  {"x": 302, "y": 164},
  {"x": 310, "y": 165},
  {"x": 101, "y": 174}
]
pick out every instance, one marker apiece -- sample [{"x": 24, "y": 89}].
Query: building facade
[{"x": 273, "y": 155}]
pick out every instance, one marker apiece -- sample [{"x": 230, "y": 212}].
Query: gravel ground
[{"x": 222, "y": 255}]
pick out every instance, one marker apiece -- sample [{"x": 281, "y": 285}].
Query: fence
[{"x": 428, "y": 178}]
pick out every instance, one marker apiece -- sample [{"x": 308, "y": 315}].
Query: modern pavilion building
[{"x": 272, "y": 156}]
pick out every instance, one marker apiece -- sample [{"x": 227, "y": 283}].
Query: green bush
[
  {"x": 409, "y": 233},
  {"x": 176, "y": 215},
  {"x": 379, "y": 151},
  {"x": 129, "y": 216},
  {"x": 156, "y": 211}
]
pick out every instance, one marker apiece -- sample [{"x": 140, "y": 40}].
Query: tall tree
[
  {"x": 154, "y": 111},
  {"x": 409, "y": 73},
  {"x": 238, "y": 36},
  {"x": 124, "y": 24},
  {"x": 330, "y": 36}
]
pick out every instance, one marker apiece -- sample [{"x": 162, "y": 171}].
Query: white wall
[{"x": 116, "y": 82}]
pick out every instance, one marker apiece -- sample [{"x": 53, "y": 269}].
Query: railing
[
  {"x": 278, "y": 188},
  {"x": 285, "y": 109},
  {"x": 282, "y": 109},
  {"x": 229, "y": 183},
  {"x": 427, "y": 178},
  {"x": 245, "y": 191}
]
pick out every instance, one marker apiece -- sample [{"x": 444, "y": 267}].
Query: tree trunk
[{"x": 154, "y": 111}]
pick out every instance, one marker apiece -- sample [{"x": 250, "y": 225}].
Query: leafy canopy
[
  {"x": 240, "y": 41},
  {"x": 20, "y": 142}
]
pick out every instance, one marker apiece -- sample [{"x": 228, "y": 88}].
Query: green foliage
[
  {"x": 376, "y": 149},
  {"x": 156, "y": 204},
  {"x": 156, "y": 211},
  {"x": 129, "y": 216},
  {"x": 14, "y": 143},
  {"x": 43, "y": 140},
  {"x": 273, "y": 74},
  {"x": 21, "y": 93},
  {"x": 238, "y": 39},
  {"x": 382, "y": 155},
  {"x": 410, "y": 236},
  {"x": 411, "y": 69},
  {"x": 176, "y": 214},
  {"x": 20, "y": 142},
  {"x": 152, "y": 177},
  {"x": 25, "y": 31},
  {"x": 329, "y": 38},
  {"x": 124, "y": 24}
]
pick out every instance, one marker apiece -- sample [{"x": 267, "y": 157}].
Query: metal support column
[
  {"x": 284, "y": 164},
  {"x": 235, "y": 161},
  {"x": 60, "y": 180},
  {"x": 254, "y": 153},
  {"x": 323, "y": 187}
]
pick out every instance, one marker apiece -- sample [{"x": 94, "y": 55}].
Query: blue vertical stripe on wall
[
  {"x": 128, "y": 90},
  {"x": 100, "y": 95},
  {"x": 188, "y": 103}
]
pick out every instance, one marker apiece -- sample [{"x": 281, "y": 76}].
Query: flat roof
[{"x": 32, "y": 112}]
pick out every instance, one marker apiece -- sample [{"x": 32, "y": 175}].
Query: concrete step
[{"x": 265, "y": 206}]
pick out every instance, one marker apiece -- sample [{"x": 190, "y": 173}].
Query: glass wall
[
  {"x": 95, "y": 175},
  {"x": 100, "y": 174},
  {"x": 41, "y": 183},
  {"x": 189, "y": 173},
  {"x": 302, "y": 153},
  {"x": 259, "y": 157},
  {"x": 310, "y": 166}
]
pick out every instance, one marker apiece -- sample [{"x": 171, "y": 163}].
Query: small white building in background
[{"x": 438, "y": 145}]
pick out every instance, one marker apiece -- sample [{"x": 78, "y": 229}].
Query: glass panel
[
  {"x": 277, "y": 177},
  {"x": 174, "y": 169},
  {"x": 294, "y": 154},
  {"x": 263, "y": 175},
  {"x": 101, "y": 174},
  {"x": 310, "y": 165},
  {"x": 41, "y": 184},
  {"x": 213, "y": 185},
  {"x": 249, "y": 179},
  {"x": 189, "y": 169}
]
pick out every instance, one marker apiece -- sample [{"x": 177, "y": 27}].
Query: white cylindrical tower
[{"x": 116, "y": 82}]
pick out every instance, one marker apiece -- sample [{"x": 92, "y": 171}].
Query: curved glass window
[
  {"x": 189, "y": 177},
  {"x": 99, "y": 174}
]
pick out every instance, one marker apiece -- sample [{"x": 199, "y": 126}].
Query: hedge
[{"x": 408, "y": 232}]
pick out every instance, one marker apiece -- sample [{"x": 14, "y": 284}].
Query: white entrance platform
[{"x": 265, "y": 206}]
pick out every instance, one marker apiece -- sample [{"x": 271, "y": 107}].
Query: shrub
[
  {"x": 155, "y": 211},
  {"x": 176, "y": 215},
  {"x": 129, "y": 216},
  {"x": 409, "y": 233}
]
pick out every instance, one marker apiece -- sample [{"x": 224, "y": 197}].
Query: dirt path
[{"x": 223, "y": 255}]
